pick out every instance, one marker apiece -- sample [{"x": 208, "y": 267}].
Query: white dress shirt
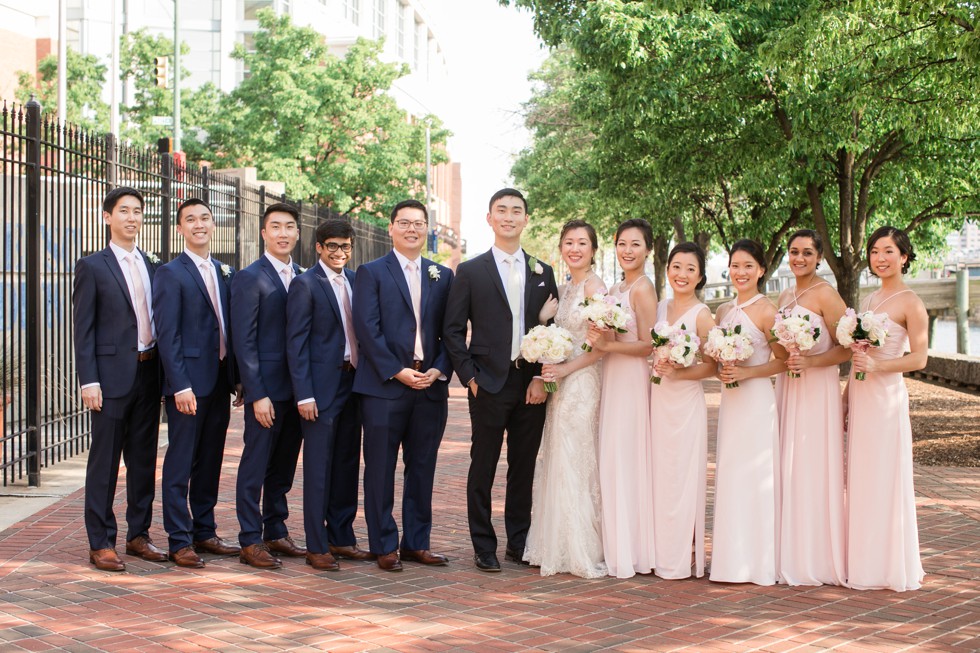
[{"x": 503, "y": 269}]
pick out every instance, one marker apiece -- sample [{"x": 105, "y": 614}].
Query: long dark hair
[
  {"x": 690, "y": 248},
  {"x": 901, "y": 240},
  {"x": 753, "y": 249},
  {"x": 589, "y": 229}
]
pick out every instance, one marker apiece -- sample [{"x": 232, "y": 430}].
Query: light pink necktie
[
  {"x": 348, "y": 318},
  {"x": 144, "y": 329},
  {"x": 287, "y": 275},
  {"x": 208, "y": 274},
  {"x": 415, "y": 290}
]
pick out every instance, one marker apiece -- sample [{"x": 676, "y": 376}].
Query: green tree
[
  {"x": 324, "y": 125},
  {"x": 86, "y": 78},
  {"x": 767, "y": 115},
  {"x": 137, "y": 53}
]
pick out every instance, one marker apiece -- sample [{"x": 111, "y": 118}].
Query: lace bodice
[{"x": 570, "y": 313}]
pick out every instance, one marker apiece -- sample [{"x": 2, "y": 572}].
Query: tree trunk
[
  {"x": 849, "y": 285},
  {"x": 661, "y": 248}
]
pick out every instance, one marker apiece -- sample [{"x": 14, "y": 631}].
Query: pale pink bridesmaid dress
[
  {"x": 811, "y": 524},
  {"x": 679, "y": 424},
  {"x": 625, "y": 459},
  {"x": 882, "y": 534},
  {"x": 743, "y": 540}
]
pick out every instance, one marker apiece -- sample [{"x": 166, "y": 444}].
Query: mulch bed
[{"x": 945, "y": 424}]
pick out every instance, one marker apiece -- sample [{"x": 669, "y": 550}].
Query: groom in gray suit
[{"x": 500, "y": 294}]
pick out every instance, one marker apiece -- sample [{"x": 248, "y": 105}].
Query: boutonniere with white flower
[
  {"x": 301, "y": 269},
  {"x": 434, "y": 272},
  {"x": 225, "y": 271},
  {"x": 535, "y": 266},
  {"x": 152, "y": 258}
]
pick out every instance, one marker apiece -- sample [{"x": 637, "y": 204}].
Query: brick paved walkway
[{"x": 51, "y": 599}]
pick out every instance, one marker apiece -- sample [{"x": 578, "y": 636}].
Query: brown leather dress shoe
[
  {"x": 390, "y": 562},
  {"x": 217, "y": 546},
  {"x": 322, "y": 561},
  {"x": 285, "y": 546},
  {"x": 186, "y": 558},
  {"x": 258, "y": 556},
  {"x": 106, "y": 560},
  {"x": 424, "y": 556},
  {"x": 142, "y": 546},
  {"x": 352, "y": 553}
]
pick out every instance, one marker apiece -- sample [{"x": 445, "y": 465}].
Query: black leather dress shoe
[
  {"x": 514, "y": 556},
  {"x": 487, "y": 561}
]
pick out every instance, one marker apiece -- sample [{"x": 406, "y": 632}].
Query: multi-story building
[{"x": 211, "y": 28}]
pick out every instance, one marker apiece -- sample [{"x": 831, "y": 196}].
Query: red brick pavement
[{"x": 51, "y": 599}]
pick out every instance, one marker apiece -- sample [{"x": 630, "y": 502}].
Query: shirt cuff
[
  {"x": 180, "y": 392},
  {"x": 92, "y": 385},
  {"x": 305, "y": 401}
]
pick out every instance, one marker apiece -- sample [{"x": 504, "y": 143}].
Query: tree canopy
[{"x": 753, "y": 118}]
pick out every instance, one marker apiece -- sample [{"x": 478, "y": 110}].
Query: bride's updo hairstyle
[
  {"x": 589, "y": 229},
  {"x": 753, "y": 249},
  {"x": 637, "y": 223},
  {"x": 901, "y": 240},
  {"x": 691, "y": 248}
]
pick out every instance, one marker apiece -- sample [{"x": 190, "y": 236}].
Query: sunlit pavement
[{"x": 52, "y": 599}]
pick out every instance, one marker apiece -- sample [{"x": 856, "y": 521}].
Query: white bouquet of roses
[
  {"x": 604, "y": 311},
  {"x": 547, "y": 344},
  {"x": 862, "y": 330},
  {"x": 729, "y": 346},
  {"x": 794, "y": 333},
  {"x": 675, "y": 344}
]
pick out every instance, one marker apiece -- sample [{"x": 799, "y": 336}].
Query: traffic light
[{"x": 162, "y": 70}]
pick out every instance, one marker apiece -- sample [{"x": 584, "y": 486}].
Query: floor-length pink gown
[
  {"x": 882, "y": 533},
  {"x": 743, "y": 540},
  {"x": 679, "y": 427},
  {"x": 625, "y": 459},
  {"x": 811, "y": 444}
]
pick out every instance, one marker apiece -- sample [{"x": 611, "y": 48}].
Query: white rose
[{"x": 805, "y": 341}]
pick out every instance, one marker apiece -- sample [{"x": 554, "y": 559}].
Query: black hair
[
  {"x": 507, "y": 192},
  {"x": 117, "y": 193},
  {"x": 280, "y": 207},
  {"x": 637, "y": 223},
  {"x": 806, "y": 233},
  {"x": 901, "y": 240},
  {"x": 334, "y": 228},
  {"x": 189, "y": 202},
  {"x": 408, "y": 204},
  {"x": 589, "y": 229},
  {"x": 753, "y": 249},
  {"x": 691, "y": 248}
]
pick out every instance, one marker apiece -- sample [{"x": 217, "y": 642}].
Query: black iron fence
[{"x": 52, "y": 181}]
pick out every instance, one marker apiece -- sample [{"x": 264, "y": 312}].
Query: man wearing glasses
[
  {"x": 402, "y": 377},
  {"x": 322, "y": 354},
  {"x": 272, "y": 432}
]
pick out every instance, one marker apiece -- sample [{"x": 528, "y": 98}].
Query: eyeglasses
[
  {"x": 333, "y": 247},
  {"x": 404, "y": 225}
]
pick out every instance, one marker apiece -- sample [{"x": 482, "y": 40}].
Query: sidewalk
[{"x": 52, "y": 599}]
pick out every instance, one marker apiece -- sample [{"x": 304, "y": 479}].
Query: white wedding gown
[{"x": 566, "y": 533}]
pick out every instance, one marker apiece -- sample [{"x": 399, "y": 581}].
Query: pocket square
[{"x": 541, "y": 285}]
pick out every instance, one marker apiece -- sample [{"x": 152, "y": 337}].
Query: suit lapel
[
  {"x": 395, "y": 268},
  {"x": 113, "y": 264},
  {"x": 325, "y": 286},
  {"x": 424, "y": 286},
  {"x": 490, "y": 263},
  {"x": 192, "y": 270},
  {"x": 270, "y": 270},
  {"x": 529, "y": 281},
  {"x": 224, "y": 292}
]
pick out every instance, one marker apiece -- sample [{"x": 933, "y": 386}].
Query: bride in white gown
[{"x": 566, "y": 532}]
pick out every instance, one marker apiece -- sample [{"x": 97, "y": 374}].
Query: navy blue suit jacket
[
  {"x": 258, "y": 311},
  {"x": 187, "y": 331},
  {"x": 105, "y": 331},
  {"x": 315, "y": 336},
  {"x": 384, "y": 322}
]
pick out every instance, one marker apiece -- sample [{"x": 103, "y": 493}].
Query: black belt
[
  {"x": 146, "y": 355},
  {"x": 518, "y": 363},
  {"x": 417, "y": 366},
  {"x": 346, "y": 366}
]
